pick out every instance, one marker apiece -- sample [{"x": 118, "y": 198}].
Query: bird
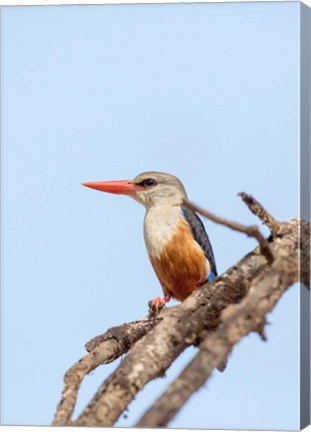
[{"x": 177, "y": 244}]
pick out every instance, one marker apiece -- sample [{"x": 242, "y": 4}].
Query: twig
[
  {"x": 251, "y": 231},
  {"x": 258, "y": 210},
  {"x": 238, "y": 320}
]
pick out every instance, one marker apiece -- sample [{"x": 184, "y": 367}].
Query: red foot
[{"x": 158, "y": 303}]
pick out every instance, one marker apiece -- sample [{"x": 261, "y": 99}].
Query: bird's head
[{"x": 149, "y": 188}]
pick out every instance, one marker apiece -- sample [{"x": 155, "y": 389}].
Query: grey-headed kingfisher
[{"x": 177, "y": 243}]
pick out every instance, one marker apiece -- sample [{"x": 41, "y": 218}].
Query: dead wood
[
  {"x": 103, "y": 349},
  {"x": 251, "y": 231},
  {"x": 237, "y": 321}
]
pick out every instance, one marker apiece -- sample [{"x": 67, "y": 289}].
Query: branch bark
[
  {"x": 237, "y": 321},
  {"x": 258, "y": 210},
  {"x": 251, "y": 231},
  {"x": 103, "y": 349},
  {"x": 200, "y": 320}
]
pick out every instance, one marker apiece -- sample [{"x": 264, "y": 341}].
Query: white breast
[{"x": 159, "y": 227}]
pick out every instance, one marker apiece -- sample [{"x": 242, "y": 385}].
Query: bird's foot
[{"x": 157, "y": 304}]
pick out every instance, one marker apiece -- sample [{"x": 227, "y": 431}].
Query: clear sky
[{"x": 208, "y": 92}]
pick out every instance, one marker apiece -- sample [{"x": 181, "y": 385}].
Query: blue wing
[{"x": 201, "y": 237}]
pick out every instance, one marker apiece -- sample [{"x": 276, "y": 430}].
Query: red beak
[{"x": 125, "y": 187}]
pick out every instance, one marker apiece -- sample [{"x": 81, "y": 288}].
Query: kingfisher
[{"x": 178, "y": 246}]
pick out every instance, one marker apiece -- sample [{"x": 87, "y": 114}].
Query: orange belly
[{"x": 182, "y": 266}]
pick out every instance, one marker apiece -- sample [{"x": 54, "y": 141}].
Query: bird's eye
[{"x": 148, "y": 182}]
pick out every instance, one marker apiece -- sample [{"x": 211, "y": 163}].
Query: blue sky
[{"x": 208, "y": 92}]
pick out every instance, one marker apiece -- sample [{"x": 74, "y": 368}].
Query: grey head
[{"x": 157, "y": 188}]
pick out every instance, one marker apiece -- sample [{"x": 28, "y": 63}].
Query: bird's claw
[{"x": 156, "y": 305}]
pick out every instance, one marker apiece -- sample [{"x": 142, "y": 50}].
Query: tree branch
[
  {"x": 237, "y": 321},
  {"x": 102, "y": 349}
]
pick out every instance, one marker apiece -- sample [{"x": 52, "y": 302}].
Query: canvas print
[{"x": 155, "y": 215}]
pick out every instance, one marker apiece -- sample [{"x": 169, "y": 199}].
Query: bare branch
[
  {"x": 237, "y": 321},
  {"x": 251, "y": 231},
  {"x": 102, "y": 349}
]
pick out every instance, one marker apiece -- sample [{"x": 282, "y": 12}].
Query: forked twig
[
  {"x": 251, "y": 231},
  {"x": 258, "y": 210}
]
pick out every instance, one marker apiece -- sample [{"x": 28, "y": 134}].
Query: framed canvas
[{"x": 200, "y": 112}]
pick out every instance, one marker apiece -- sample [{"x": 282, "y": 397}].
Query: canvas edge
[{"x": 305, "y": 69}]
